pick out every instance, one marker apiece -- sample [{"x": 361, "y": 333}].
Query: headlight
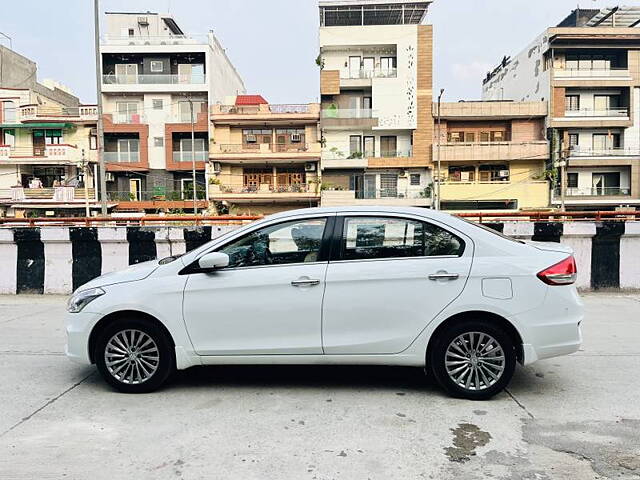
[{"x": 83, "y": 298}]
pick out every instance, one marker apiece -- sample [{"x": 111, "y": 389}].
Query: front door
[
  {"x": 134, "y": 189},
  {"x": 269, "y": 300},
  {"x": 354, "y": 67},
  {"x": 38, "y": 143},
  {"x": 387, "y": 282}
]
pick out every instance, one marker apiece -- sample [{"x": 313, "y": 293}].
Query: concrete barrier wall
[{"x": 58, "y": 260}]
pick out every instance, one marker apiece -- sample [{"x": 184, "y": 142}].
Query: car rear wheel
[
  {"x": 473, "y": 359},
  {"x": 134, "y": 356}
]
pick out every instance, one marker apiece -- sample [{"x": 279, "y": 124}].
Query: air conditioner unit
[
  {"x": 109, "y": 177},
  {"x": 404, "y": 174},
  {"x": 251, "y": 139},
  {"x": 310, "y": 167},
  {"x": 217, "y": 167},
  {"x": 503, "y": 173},
  {"x": 296, "y": 137}
]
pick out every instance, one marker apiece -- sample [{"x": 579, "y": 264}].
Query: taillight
[{"x": 563, "y": 273}]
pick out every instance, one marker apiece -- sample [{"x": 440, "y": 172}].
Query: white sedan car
[{"x": 345, "y": 285}]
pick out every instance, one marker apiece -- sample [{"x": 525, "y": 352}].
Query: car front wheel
[
  {"x": 473, "y": 359},
  {"x": 134, "y": 356}
]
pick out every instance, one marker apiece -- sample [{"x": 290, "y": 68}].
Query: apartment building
[
  {"x": 376, "y": 94},
  {"x": 264, "y": 157},
  {"x": 587, "y": 68},
  {"x": 153, "y": 77},
  {"x": 47, "y": 144},
  {"x": 492, "y": 155}
]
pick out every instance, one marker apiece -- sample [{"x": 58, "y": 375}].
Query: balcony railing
[
  {"x": 129, "y": 118},
  {"x": 34, "y": 112},
  {"x": 154, "y": 79},
  {"x": 393, "y": 193},
  {"x": 157, "y": 195},
  {"x": 337, "y": 155},
  {"x": 591, "y": 72},
  {"x": 347, "y": 113},
  {"x": 283, "y": 109},
  {"x": 492, "y": 151},
  {"x": 55, "y": 194},
  {"x": 590, "y": 112},
  {"x": 121, "y": 157},
  {"x": 185, "y": 156},
  {"x": 265, "y": 189},
  {"x": 154, "y": 40},
  {"x": 606, "y": 152},
  {"x": 363, "y": 73},
  {"x": 596, "y": 192},
  {"x": 263, "y": 148},
  {"x": 45, "y": 152}
]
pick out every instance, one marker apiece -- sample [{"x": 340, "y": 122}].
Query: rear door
[{"x": 388, "y": 277}]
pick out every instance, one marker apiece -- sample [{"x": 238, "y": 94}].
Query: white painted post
[
  {"x": 114, "y": 247},
  {"x": 176, "y": 241},
  {"x": 163, "y": 244},
  {"x": 629, "y": 258},
  {"x": 519, "y": 230},
  {"x": 8, "y": 262},
  {"x": 579, "y": 235},
  {"x": 217, "y": 232},
  {"x": 58, "y": 260}
]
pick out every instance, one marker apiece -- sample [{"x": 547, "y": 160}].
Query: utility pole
[
  {"x": 85, "y": 177},
  {"x": 438, "y": 175},
  {"x": 100, "y": 139},
  {"x": 193, "y": 158}
]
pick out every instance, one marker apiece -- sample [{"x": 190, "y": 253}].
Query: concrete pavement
[{"x": 574, "y": 417}]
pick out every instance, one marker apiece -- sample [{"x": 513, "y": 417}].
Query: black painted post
[
  {"x": 605, "y": 255},
  {"x": 142, "y": 245},
  {"x": 87, "y": 255},
  {"x": 30, "y": 264}
]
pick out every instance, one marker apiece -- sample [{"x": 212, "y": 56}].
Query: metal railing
[
  {"x": 604, "y": 152},
  {"x": 155, "y": 40},
  {"x": 121, "y": 157},
  {"x": 591, "y": 72},
  {"x": 156, "y": 195},
  {"x": 30, "y": 112},
  {"x": 392, "y": 193},
  {"x": 185, "y": 156},
  {"x": 154, "y": 79},
  {"x": 47, "y": 152},
  {"x": 266, "y": 109},
  {"x": 590, "y": 112},
  {"x": 263, "y": 148},
  {"x": 53, "y": 194},
  {"x": 348, "y": 113},
  {"x": 289, "y": 109},
  {"x": 129, "y": 118},
  {"x": 365, "y": 73},
  {"x": 596, "y": 192},
  {"x": 338, "y": 155},
  {"x": 268, "y": 189}
]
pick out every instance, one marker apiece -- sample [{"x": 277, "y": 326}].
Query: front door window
[
  {"x": 354, "y": 67},
  {"x": 389, "y": 185}
]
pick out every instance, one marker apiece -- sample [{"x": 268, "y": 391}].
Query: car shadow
[{"x": 396, "y": 379}]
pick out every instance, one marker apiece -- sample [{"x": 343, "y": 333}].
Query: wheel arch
[
  {"x": 105, "y": 321},
  {"x": 504, "y": 324}
]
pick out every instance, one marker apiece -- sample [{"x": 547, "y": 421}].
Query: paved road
[{"x": 576, "y": 417}]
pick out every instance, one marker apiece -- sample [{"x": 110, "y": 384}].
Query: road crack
[
  {"x": 520, "y": 404},
  {"x": 41, "y": 408}
]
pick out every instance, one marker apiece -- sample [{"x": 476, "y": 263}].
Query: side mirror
[{"x": 213, "y": 260}]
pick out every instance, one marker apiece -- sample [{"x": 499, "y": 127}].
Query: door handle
[
  {"x": 443, "y": 276},
  {"x": 305, "y": 282}
]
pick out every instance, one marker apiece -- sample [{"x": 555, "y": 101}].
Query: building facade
[
  {"x": 264, "y": 158},
  {"x": 376, "y": 94},
  {"x": 47, "y": 145},
  {"x": 492, "y": 155},
  {"x": 587, "y": 69},
  {"x": 155, "y": 81}
]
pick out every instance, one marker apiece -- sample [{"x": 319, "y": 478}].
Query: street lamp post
[
  {"x": 193, "y": 158},
  {"x": 438, "y": 175}
]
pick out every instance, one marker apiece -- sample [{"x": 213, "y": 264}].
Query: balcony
[
  {"x": 590, "y": 113},
  {"x": 121, "y": 157},
  {"x": 154, "y": 40},
  {"x": 129, "y": 118},
  {"x": 157, "y": 195},
  {"x": 331, "y": 198},
  {"x": 42, "y": 113},
  {"x": 480, "y": 110},
  {"x": 498, "y": 151},
  {"x": 49, "y": 154},
  {"x": 253, "y": 151},
  {"x": 597, "y": 192},
  {"x": 343, "y": 118},
  {"x": 185, "y": 156},
  {"x": 300, "y": 192},
  {"x": 607, "y": 152},
  {"x": 154, "y": 79},
  {"x": 46, "y": 195},
  {"x": 246, "y": 114},
  {"x": 592, "y": 74}
]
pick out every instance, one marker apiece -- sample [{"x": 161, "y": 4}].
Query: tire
[
  {"x": 140, "y": 355},
  {"x": 473, "y": 359}
]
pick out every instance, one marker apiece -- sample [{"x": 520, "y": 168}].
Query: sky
[{"x": 274, "y": 43}]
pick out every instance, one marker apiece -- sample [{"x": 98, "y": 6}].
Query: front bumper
[{"x": 78, "y": 328}]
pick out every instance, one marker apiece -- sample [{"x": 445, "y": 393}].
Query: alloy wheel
[
  {"x": 131, "y": 356},
  {"x": 475, "y": 361}
]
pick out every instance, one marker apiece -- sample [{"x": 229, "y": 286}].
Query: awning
[{"x": 36, "y": 125}]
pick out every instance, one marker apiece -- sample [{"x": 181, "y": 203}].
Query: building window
[
  {"x": 128, "y": 150},
  {"x": 485, "y": 136},
  {"x": 8, "y": 111},
  {"x": 158, "y": 104},
  {"x": 497, "y": 136},
  {"x": 572, "y": 102},
  {"x": 388, "y": 146},
  {"x": 605, "y": 141},
  {"x": 131, "y": 32},
  {"x": 573, "y": 141},
  {"x": 370, "y": 147},
  {"x": 494, "y": 173},
  {"x": 414, "y": 179},
  {"x": 127, "y": 112},
  {"x": 388, "y": 185},
  {"x": 462, "y": 174},
  {"x": 184, "y": 110},
  {"x": 572, "y": 180},
  {"x": 469, "y": 137},
  {"x": 9, "y": 137},
  {"x": 158, "y": 141},
  {"x": 455, "y": 137},
  {"x": 355, "y": 145},
  {"x": 93, "y": 141},
  {"x": 156, "y": 66},
  {"x": 255, "y": 136}
]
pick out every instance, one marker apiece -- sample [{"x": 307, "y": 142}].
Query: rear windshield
[{"x": 491, "y": 230}]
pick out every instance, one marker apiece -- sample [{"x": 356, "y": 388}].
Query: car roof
[{"x": 424, "y": 212}]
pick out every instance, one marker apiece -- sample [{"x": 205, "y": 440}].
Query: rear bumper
[{"x": 554, "y": 329}]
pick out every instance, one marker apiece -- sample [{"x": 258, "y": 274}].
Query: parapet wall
[{"x": 58, "y": 260}]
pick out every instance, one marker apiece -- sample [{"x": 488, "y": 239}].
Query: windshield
[{"x": 491, "y": 230}]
